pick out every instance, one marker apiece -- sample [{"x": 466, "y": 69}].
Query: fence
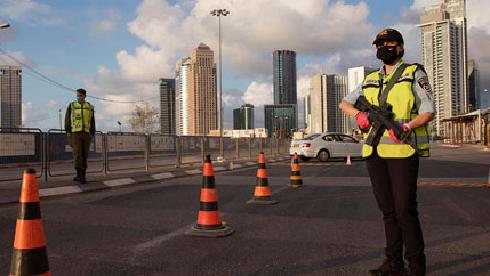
[{"x": 50, "y": 152}]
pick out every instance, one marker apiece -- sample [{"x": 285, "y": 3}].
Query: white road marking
[
  {"x": 119, "y": 182},
  {"x": 163, "y": 238},
  {"x": 159, "y": 176},
  {"x": 196, "y": 171},
  {"x": 250, "y": 163},
  {"x": 219, "y": 169},
  {"x": 280, "y": 190},
  {"x": 60, "y": 191}
]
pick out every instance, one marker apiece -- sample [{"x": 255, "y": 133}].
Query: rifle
[{"x": 381, "y": 118}]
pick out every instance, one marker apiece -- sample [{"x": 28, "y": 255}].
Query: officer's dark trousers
[
  {"x": 81, "y": 144},
  {"x": 394, "y": 183}
]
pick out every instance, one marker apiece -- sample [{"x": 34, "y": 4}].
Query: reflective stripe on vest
[
  {"x": 81, "y": 115},
  {"x": 402, "y": 99}
]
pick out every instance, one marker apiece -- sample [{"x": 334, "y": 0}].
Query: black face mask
[{"x": 387, "y": 54}]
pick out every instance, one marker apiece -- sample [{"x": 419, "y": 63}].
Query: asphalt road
[{"x": 331, "y": 226}]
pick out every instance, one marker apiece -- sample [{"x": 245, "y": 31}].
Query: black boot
[
  {"x": 77, "y": 178},
  {"x": 390, "y": 267},
  {"x": 83, "y": 180},
  {"x": 416, "y": 267}
]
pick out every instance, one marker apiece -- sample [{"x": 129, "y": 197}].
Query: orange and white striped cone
[
  {"x": 209, "y": 223},
  {"x": 296, "y": 181},
  {"x": 262, "y": 194},
  {"x": 30, "y": 256}
]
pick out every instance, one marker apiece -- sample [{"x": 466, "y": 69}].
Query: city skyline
[{"x": 116, "y": 42}]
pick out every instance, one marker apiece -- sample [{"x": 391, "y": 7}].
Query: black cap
[{"x": 389, "y": 35}]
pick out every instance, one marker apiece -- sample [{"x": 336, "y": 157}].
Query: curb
[{"x": 127, "y": 181}]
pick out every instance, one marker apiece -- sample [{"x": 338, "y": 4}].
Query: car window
[
  {"x": 347, "y": 139},
  {"x": 311, "y": 137},
  {"x": 329, "y": 138}
]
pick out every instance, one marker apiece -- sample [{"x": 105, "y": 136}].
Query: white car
[{"x": 325, "y": 146}]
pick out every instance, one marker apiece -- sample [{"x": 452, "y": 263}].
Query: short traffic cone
[
  {"x": 295, "y": 180},
  {"x": 348, "y": 163},
  {"x": 209, "y": 223},
  {"x": 30, "y": 256},
  {"x": 262, "y": 195}
]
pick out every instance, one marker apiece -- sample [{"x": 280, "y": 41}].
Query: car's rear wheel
[{"x": 323, "y": 155}]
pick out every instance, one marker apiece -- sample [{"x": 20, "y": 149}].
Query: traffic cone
[
  {"x": 348, "y": 163},
  {"x": 29, "y": 256},
  {"x": 262, "y": 193},
  {"x": 295, "y": 180},
  {"x": 209, "y": 223}
]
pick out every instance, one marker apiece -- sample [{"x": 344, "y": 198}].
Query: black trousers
[
  {"x": 80, "y": 142},
  {"x": 394, "y": 183}
]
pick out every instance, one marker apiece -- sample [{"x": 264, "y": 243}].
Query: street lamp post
[{"x": 219, "y": 13}]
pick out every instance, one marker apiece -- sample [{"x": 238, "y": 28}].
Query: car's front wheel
[{"x": 323, "y": 155}]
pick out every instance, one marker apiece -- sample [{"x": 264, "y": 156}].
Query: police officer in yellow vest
[
  {"x": 80, "y": 127},
  {"x": 393, "y": 164}
]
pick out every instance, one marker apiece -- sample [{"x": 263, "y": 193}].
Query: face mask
[
  {"x": 387, "y": 54},
  {"x": 80, "y": 99}
]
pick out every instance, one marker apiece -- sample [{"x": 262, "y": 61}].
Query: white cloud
[
  {"x": 51, "y": 104},
  {"x": 17, "y": 56},
  {"x": 29, "y": 11},
  {"x": 107, "y": 25},
  {"x": 258, "y": 94}
]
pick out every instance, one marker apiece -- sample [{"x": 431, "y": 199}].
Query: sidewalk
[{"x": 63, "y": 185}]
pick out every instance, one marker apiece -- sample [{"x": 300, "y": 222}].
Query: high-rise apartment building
[
  {"x": 284, "y": 74},
  {"x": 182, "y": 97},
  {"x": 10, "y": 96},
  {"x": 444, "y": 55},
  {"x": 167, "y": 107},
  {"x": 280, "y": 120},
  {"x": 474, "y": 101},
  {"x": 196, "y": 93},
  {"x": 326, "y": 92},
  {"x": 307, "y": 112},
  {"x": 244, "y": 117}
]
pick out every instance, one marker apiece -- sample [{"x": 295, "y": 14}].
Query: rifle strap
[{"x": 383, "y": 96}]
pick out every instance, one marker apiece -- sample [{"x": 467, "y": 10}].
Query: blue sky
[{"x": 79, "y": 44}]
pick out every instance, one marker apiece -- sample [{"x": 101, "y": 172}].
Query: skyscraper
[
  {"x": 244, "y": 117},
  {"x": 284, "y": 73},
  {"x": 444, "y": 54},
  {"x": 10, "y": 96},
  {"x": 473, "y": 86},
  {"x": 280, "y": 120},
  {"x": 196, "y": 93},
  {"x": 167, "y": 107},
  {"x": 182, "y": 97},
  {"x": 307, "y": 110},
  {"x": 326, "y": 92}
]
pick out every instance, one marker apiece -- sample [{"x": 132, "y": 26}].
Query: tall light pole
[{"x": 219, "y": 13}]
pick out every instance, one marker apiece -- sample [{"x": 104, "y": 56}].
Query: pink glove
[
  {"x": 362, "y": 120},
  {"x": 405, "y": 128}
]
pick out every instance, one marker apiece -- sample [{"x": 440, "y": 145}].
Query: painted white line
[
  {"x": 219, "y": 169},
  {"x": 237, "y": 166},
  {"x": 196, "y": 171},
  {"x": 159, "y": 176},
  {"x": 60, "y": 191},
  {"x": 250, "y": 163},
  {"x": 163, "y": 238},
  {"x": 118, "y": 182},
  {"x": 280, "y": 190}
]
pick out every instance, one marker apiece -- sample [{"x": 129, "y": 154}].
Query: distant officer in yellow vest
[
  {"x": 80, "y": 127},
  {"x": 393, "y": 164}
]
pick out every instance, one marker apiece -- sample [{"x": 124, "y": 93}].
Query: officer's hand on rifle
[
  {"x": 362, "y": 120},
  {"x": 405, "y": 127}
]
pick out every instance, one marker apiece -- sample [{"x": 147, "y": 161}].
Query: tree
[{"x": 144, "y": 118}]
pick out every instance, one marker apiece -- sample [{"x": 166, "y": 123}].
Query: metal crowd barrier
[
  {"x": 19, "y": 149},
  {"x": 51, "y": 155},
  {"x": 59, "y": 154}
]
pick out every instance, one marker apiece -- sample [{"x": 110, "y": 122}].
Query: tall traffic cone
[
  {"x": 30, "y": 256},
  {"x": 348, "y": 163},
  {"x": 209, "y": 223},
  {"x": 295, "y": 180},
  {"x": 262, "y": 194}
]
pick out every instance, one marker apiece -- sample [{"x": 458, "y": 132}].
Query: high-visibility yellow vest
[
  {"x": 402, "y": 99},
  {"x": 81, "y": 116}
]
